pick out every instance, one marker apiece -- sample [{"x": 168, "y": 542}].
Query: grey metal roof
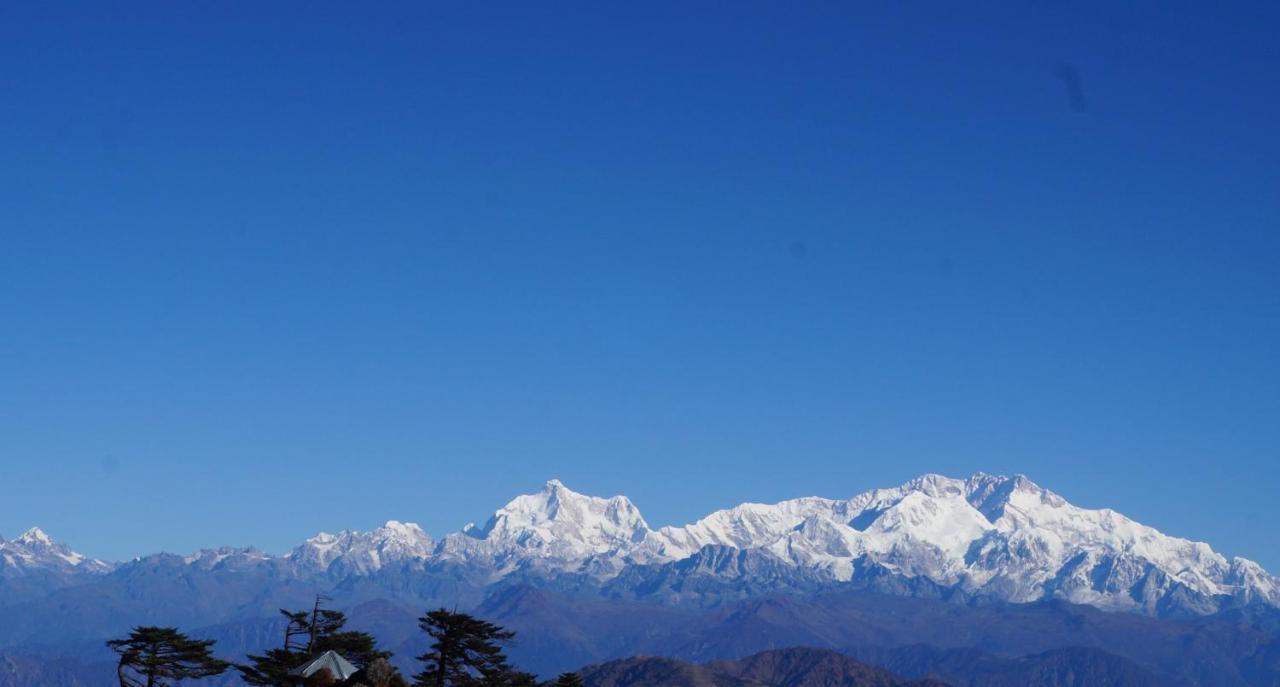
[{"x": 338, "y": 666}]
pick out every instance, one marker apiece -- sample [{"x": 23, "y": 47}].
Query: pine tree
[
  {"x": 568, "y": 680},
  {"x": 358, "y": 647},
  {"x": 466, "y": 652},
  {"x": 272, "y": 668},
  {"x": 298, "y": 624},
  {"x": 324, "y": 631},
  {"x": 519, "y": 679},
  {"x": 151, "y": 655}
]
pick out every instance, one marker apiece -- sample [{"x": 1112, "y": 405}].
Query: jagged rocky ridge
[{"x": 996, "y": 537}]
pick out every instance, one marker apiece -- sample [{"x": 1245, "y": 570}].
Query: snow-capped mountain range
[{"x": 986, "y": 536}]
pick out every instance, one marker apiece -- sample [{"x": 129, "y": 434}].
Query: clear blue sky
[{"x": 267, "y": 271}]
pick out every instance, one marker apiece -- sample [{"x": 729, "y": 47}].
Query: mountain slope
[
  {"x": 780, "y": 668},
  {"x": 557, "y": 632},
  {"x": 1064, "y": 667},
  {"x": 26, "y": 671},
  {"x": 34, "y": 566}
]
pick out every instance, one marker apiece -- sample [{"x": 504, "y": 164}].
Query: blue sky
[{"x": 267, "y": 271}]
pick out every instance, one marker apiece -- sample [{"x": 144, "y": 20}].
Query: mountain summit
[
  {"x": 352, "y": 552},
  {"x": 35, "y": 552},
  {"x": 555, "y": 528}
]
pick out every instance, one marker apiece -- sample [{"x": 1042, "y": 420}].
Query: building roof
[{"x": 338, "y": 666}]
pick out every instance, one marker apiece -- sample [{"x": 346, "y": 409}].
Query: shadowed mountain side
[
  {"x": 158, "y": 590},
  {"x": 555, "y": 632},
  {"x": 1227, "y": 652},
  {"x": 781, "y": 668},
  {"x": 559, "y": 631},
  {"x": 33, "y": 585},
  {"x": 803, "y": 667},
  {"x": 27, "y": 671},
  {"x": 1067, "y": 667},
  {"x": 669, "y": 672}
]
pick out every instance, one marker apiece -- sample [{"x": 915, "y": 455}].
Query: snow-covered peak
[
  {"x": 227, "y": 558},
  {"x": 402, "y": 540},
  {"x": 748, "y": 526},
  {"x": 992, "y": 494},
  {"x": 36, "y": 550},
  {"x": 1251, "y": 581},
  {"x": 936, "y": 486},
  {"x": 557, "y": 512},
  {"x": 351, "y": 551},
  {"x": 403, "y": 529},
  {"x": 945, "y": 522},
  {"x": 35, "y": 537},
  {"x": 555, "y": 527}
]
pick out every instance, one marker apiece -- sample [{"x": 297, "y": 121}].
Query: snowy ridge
[
  {"x": 351, "y": 552},
  {"x": 1004, "y": 537},
  {"x": 992, "y": 536},
  {"x": 999, "y": 536},
  {"x": 555, "y": 528}
]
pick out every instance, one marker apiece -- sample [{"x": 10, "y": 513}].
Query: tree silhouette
[
  {"x": 567, "y": 680},
  {"x": 519, "y": 679},
  {"x": 324, "y": 631},
  {"x": 298, "y": 624},
  {"x": 272, "y": 668},
  {"x": 151, "y": 655},
  {"x": 466, "y": 652}
]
